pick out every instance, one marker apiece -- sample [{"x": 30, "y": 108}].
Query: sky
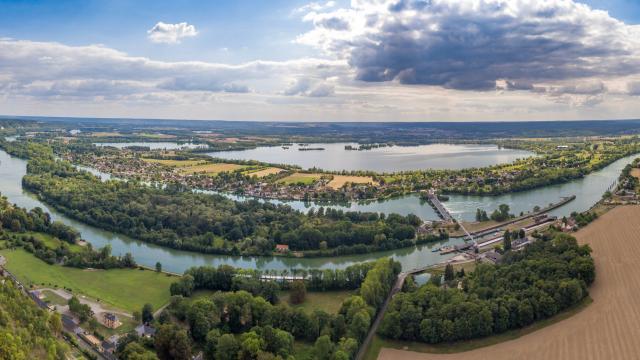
[{"x": 358, "y": 60}]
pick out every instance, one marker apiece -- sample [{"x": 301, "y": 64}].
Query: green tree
[
  {"x": 448, "y": 272},
  {"x": 147, "y": 313},
  {"x": 323, "y": 348},
  {"x": 298, "y": 292},
  {"x": 158, "y": 267},
  {"x": 228, "y": 348}
]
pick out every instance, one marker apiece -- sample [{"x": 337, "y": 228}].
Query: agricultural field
[
  {"x": 126, "y": 289},
  {"x": 265, "y": 172},
  {"x": 175, "y": 163},
  {"x": 300, "y": 178},
  {"x": 635, "y": 172},
  {"x": 211, "y": 169},
  {"x": 106, "y": 134},
  {"x": 605, "y": 329},
  {"x": 339, "y": 181}
]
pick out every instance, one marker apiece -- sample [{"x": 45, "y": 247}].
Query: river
[{"x": 588, "y": 190}]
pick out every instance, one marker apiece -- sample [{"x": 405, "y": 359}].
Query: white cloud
[
  {"x": 171, "y": 33},
  {"x": 315, "y": 6},
  {"x": 471, "y": 45}
]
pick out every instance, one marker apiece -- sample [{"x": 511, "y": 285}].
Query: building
[
  {"x": 282, "y": 248},
  {"x": 493, "y": 256},
  {"x": 110, "y": 320},
  {"x": 145, "y": 330}
]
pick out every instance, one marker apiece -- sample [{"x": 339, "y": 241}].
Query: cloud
[
  {"x": 310, "y": 88},
  {"x": 44, "y": 69},
  {"x": 633, "y": 88},
  {"x": 315, "y": 6},
  {"x": 171, "y": 33},
  {"x": 471, "y": 45}
]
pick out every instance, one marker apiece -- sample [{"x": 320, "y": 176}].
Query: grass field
[
  {"x": 125, "y": 289},
  {"x": 105, "y": 134},
  {"x": 211, "y": 169},
  {"x": 52, "y": 242},
  {"x": 300, "y": 178},
  {"x": 606, "y": 329},
  {"x": 265, "y": 172},
  {"x": 339, "y": 181},
  {"x": 329, "y": 301}
]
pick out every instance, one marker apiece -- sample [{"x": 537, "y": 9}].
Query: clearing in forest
[
  {"x": 339, "y": 181},
  {"x": 606, "y": 329},
  {"x": 635, "y": 172}
]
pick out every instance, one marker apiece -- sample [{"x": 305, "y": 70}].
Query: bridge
[{"x": 432, "y": 197}]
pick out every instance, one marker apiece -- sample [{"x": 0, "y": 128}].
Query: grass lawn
[
  {"x": 126, "y": 289},
  {"x": 52, "y": 298},
  {"x": 329, "y": 301},
  {"x": 300, "y": 178},
  {"x": 52, "y": 242},
  {"x": 378, "y": 342}
]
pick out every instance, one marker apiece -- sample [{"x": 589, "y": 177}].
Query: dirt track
[{"x": 609, "y": 328}]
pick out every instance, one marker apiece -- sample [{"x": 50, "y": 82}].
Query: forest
[
  {"x": 176, "y": 217},
  {"x": 26, "y": 331},
  {"x": 238, "y": 325},
  {"x": 547, "y": 277}
]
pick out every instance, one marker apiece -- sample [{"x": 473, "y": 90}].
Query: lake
[
  {"x": 334, "y": 157},
  {"x": 165, "y": 145}
]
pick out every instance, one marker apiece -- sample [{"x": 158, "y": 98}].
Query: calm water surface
[{"x": 386, "y": 159}]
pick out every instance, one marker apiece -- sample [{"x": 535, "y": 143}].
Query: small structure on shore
[
  {"x": 110, "y": 320},
  {"x": 282, "y": 248}
]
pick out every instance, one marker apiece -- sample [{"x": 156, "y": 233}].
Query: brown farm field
[
  {"x": 635, "y": 172},
  {"x": 607, "y": 329},
  {"x": 265, "y": 172},
  {"x": 211, "y": 169},
  {"x": 339, "y": 181}
]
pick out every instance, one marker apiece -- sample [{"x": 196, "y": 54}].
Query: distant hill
[{"x": 363, "y": 132}]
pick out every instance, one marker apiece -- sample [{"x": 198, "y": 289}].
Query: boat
[
  {"x": 447, "y": 250},
  {"x": 435, "y": 249}
]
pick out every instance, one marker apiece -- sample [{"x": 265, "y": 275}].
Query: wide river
[
  {"x": 588, "y": 190},
  {"x": 334, "y": 157}
]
